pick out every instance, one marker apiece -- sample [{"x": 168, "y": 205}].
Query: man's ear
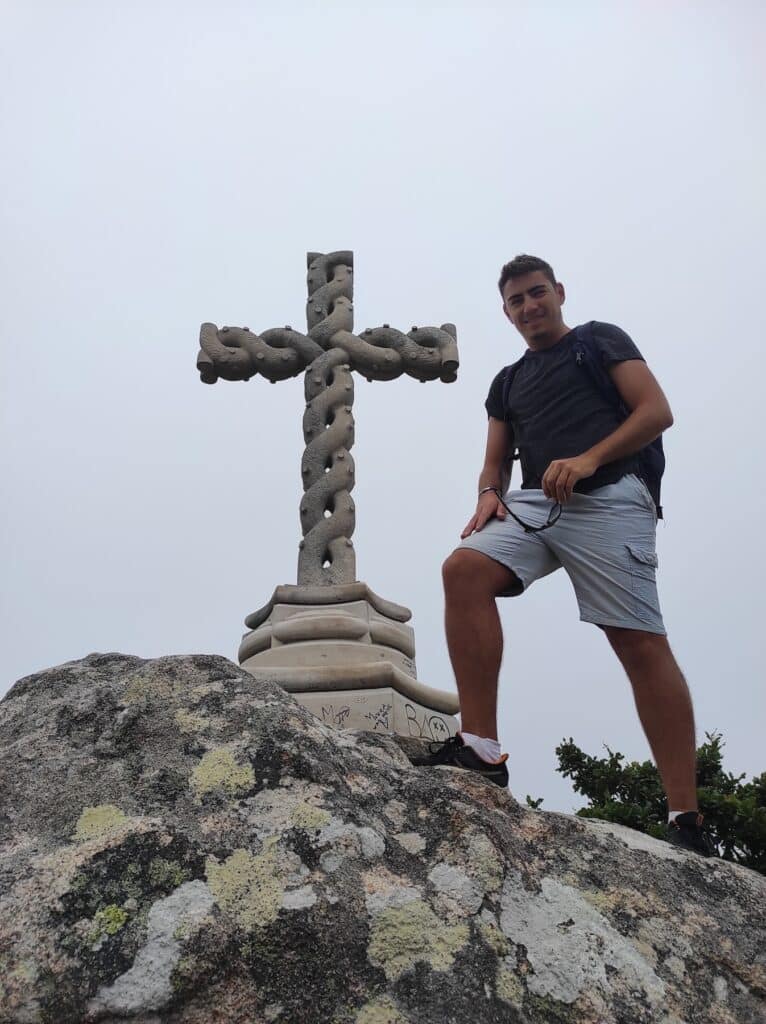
[
  {"x": 560, "y": 292},
  {"x": 506, "y": 312}
]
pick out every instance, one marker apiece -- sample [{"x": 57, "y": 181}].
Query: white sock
[
  {"x": 672, "y": 815},
  {"x": 487, "y": 749}
]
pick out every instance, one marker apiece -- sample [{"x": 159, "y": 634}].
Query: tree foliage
[{"x": 631, "y": 794}]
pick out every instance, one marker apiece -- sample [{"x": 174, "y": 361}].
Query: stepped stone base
[{"x": 347, "y": 656}]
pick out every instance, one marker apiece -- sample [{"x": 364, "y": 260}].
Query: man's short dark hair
[{"x": 524, "y": 264}]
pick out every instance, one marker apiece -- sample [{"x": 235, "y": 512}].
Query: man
[{"x": 583, "y": 506}]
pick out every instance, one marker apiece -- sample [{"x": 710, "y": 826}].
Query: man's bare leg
[
  {"x": 665, "y": 708},
  {"x": 474, "y": 634}
]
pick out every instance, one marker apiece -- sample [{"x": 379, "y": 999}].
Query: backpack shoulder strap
[
  {"x": 510, "y": 373},
  {"x": 588, "y": 356}
]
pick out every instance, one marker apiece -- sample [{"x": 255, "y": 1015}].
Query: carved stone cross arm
[
  {"x": 381, "y": 353},
  {"x": 236, "y": 353},
  {"x": 328, "y": 353}
]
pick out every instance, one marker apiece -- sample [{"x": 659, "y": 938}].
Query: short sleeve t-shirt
[{"x": 555, "y": 411}]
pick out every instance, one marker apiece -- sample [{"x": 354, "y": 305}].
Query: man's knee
[
  {"x": 467, "y": 571},
  {"x": 458, "y": 567},
  {"x": 636, "y": 645}
]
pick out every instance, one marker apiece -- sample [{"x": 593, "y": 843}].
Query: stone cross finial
[{"x": 329, "y": 352}]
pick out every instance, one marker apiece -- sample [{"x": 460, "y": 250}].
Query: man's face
[{"x": 533, "y": 305}]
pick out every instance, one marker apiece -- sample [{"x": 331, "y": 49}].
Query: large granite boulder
[{"x": 180, "y": 843}]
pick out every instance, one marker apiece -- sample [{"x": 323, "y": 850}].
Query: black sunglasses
[{"x": 553, "y": 517}]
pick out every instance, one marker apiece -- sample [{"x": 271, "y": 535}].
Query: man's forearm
[
  {"x": 643, "y": 425},
  {"x": 496, "y": 476}
]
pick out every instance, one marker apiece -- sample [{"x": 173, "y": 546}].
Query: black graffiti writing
[
  {"x": 380, "y": 717},
  {"x": 329, "y": 714},
  {"x": 427, "y": 727}
]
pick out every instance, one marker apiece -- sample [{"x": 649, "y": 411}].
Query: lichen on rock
[
  {"x": 509, "y": 986},
  {"x": 381, "y": 1011},
  {"x": 152, "y": 687},
  {"x": 191, "y": 723},
  {"x": 183, "y": 844},
  {"x": 404, "y": 936},
  {"x": 249, "y": 887},
  {"x": 219, "y": 771},
  {"x": 97, "y": 822},
  {"x": 107, "y": 921},
  {"x": 310, "y": 818}
]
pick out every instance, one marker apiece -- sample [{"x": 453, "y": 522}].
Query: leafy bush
[{"x": 631, "y": 794}]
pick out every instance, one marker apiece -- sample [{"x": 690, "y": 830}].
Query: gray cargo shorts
[{"x": 604, "y": 540}]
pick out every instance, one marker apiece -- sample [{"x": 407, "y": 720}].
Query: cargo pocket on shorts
[{"x": 642, "y": 565}]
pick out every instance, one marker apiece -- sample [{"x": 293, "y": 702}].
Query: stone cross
[{"x": 328, "y": 352}]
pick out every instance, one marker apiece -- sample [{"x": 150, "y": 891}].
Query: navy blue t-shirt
[{"x": 556, "y": 412}]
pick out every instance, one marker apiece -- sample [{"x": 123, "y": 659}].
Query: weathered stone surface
[
  {"x": 348, "y": 657},
  {"x": 328, "y": 353},
  {"x": 182, "y": 844}
]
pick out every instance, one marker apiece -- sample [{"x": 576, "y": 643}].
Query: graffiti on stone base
[
  {"x": 380, "y": 718},
  {"x": 329, "y": 714},
  {"x": 425, "y": 726}
]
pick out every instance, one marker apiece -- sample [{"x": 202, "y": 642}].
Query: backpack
[{"x": 651, "y": 459}]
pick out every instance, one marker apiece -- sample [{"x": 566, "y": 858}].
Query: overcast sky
[{"x": 170, "y": 163}]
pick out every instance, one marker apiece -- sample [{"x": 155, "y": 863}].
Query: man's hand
[
  {"x": 562, "y": 474},
  {"x": 489, "y": 506}
]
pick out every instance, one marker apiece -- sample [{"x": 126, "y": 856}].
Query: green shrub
[{"x": 631, "y": 794}]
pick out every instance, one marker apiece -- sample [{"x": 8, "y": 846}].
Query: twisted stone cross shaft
[{"x": 329, "y": 352}]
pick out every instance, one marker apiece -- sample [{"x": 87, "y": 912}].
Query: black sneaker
[
  {"x": 456, "y": 754},
  {"x": 687, "y": 831}
]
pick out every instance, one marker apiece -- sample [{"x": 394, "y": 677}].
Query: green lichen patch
[
  {"x": 189, "y": 723},
  {"x": 495, "y": 939},
  {"x": 626, "y": 901},
  {"x": 100, "y": 821},
  {"x": 600, "y": 899},
  {"x": 508, "y": 986},
  {"x": 248, "y": 887},
  {"x": 108, "y": 921},
  {"x": 307, "y": 817},
  {"x": 166, "y": 875},
  {"x": 380, "y": 1011},
  {"x": 476, "y": 856},
  {"x": 154, "y": 688},
  {"x": 484, "y": 863},
  {"x": 403, "y": 936},
  {"x": 106, "y": 945},
  {"x": 218, "y": 771},
  {"x": 200, "y": 692}
]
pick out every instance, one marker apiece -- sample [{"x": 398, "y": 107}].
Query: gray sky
[{"x": 166, "y": 164}]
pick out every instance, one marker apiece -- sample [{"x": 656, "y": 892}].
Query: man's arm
[
  {"x": 650, "y": 415},
  {"x": 494, "y": 473}
]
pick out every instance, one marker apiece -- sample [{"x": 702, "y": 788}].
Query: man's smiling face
[{"x": 533, "y": 305}]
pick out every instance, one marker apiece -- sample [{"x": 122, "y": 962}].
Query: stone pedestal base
[
  {"x": 379, "y": 710},
  {"x": 347, "y": 655}
]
